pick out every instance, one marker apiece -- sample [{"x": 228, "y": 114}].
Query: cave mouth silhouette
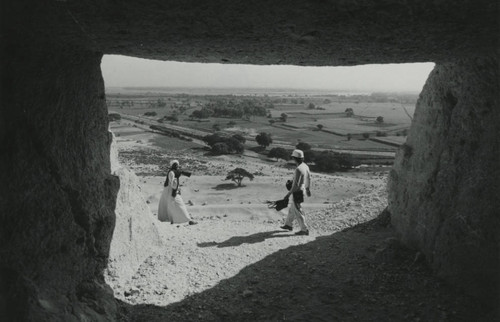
[{"x": 57, "y": 204}]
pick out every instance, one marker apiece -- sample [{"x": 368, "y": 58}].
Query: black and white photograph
[{"x": 250, "y": 161}]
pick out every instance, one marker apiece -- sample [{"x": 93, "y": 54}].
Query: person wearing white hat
[
  {"x": 301, "y": 182},
  {"x": 171, "y": 207}
]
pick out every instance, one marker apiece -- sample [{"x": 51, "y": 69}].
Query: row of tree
[
  {"x": 224, "y": 144},
  {"x": 323, "y": 160},
  {"x": 232, "y": 108}
]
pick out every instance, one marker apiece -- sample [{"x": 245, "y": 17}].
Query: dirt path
[
  {"x": 198, "y": 257},
  {"x": 256, "y": 272}
]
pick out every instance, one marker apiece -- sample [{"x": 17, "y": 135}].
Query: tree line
[
  {"x": 221, "y": 107},
  {"x": 322, "y": 160}
]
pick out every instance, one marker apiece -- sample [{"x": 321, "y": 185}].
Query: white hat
[
  {"x": 298, "y": 154},
  {"x": 174, "y": 162}
]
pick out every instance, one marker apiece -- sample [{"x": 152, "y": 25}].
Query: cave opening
[{"x": 139, "y": 109}]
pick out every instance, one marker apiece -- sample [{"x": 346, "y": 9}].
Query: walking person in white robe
[{"x": 171, "y": 207}]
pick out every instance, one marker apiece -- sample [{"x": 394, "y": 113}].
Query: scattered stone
[{"x": 131, "y": 292}]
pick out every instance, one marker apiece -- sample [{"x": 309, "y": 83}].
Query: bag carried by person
[
  {"x": 278, "y": 204},
  {"x": 298, "y": 196},
  {"x": 175, "y": 190}
]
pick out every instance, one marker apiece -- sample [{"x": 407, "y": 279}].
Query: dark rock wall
[
  {"x": 298, "y": 32},
  {"x": 57, "y": 196},
  {"x": 445, "y": 186}
]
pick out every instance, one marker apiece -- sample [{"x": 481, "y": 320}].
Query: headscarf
[{"x": 174, "y": 162}]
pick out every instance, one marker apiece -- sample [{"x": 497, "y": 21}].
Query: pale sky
[{"x": 122, "y": 71}]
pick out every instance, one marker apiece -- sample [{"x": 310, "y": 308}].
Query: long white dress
[{"x": 172, "y": 209}]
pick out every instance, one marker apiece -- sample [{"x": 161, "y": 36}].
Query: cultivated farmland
[{"x": 377, "y": 122}]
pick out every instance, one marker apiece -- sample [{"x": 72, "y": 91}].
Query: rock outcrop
[
  {"x": 58, "y": 196},
  {"x": 135, "y": 235},
  {"x": 444, "y": 188}
]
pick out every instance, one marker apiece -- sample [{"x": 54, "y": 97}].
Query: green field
[{"x": 301, "y": 124}]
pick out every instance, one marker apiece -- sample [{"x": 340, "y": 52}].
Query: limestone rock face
[
  {"x": 444, "y": 189},
  {"x": 135, "y": 235},
  {"x": 311, "y": 33},
  {"x": 58, "y": 196},
  {"x": 290, "y": 32}
]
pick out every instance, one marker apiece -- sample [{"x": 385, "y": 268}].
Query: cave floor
[{"x": 357, "y": 274}]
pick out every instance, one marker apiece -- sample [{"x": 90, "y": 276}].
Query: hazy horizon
[
  {"x": 129, "y": 72},
  {"x": 283, "y": 89}
]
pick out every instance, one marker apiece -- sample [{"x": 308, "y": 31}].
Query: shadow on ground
[
  {"x": 227, "y": 186},
  {"x": 250, "y": 239},
  {"x": 359, "y": 274}
]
